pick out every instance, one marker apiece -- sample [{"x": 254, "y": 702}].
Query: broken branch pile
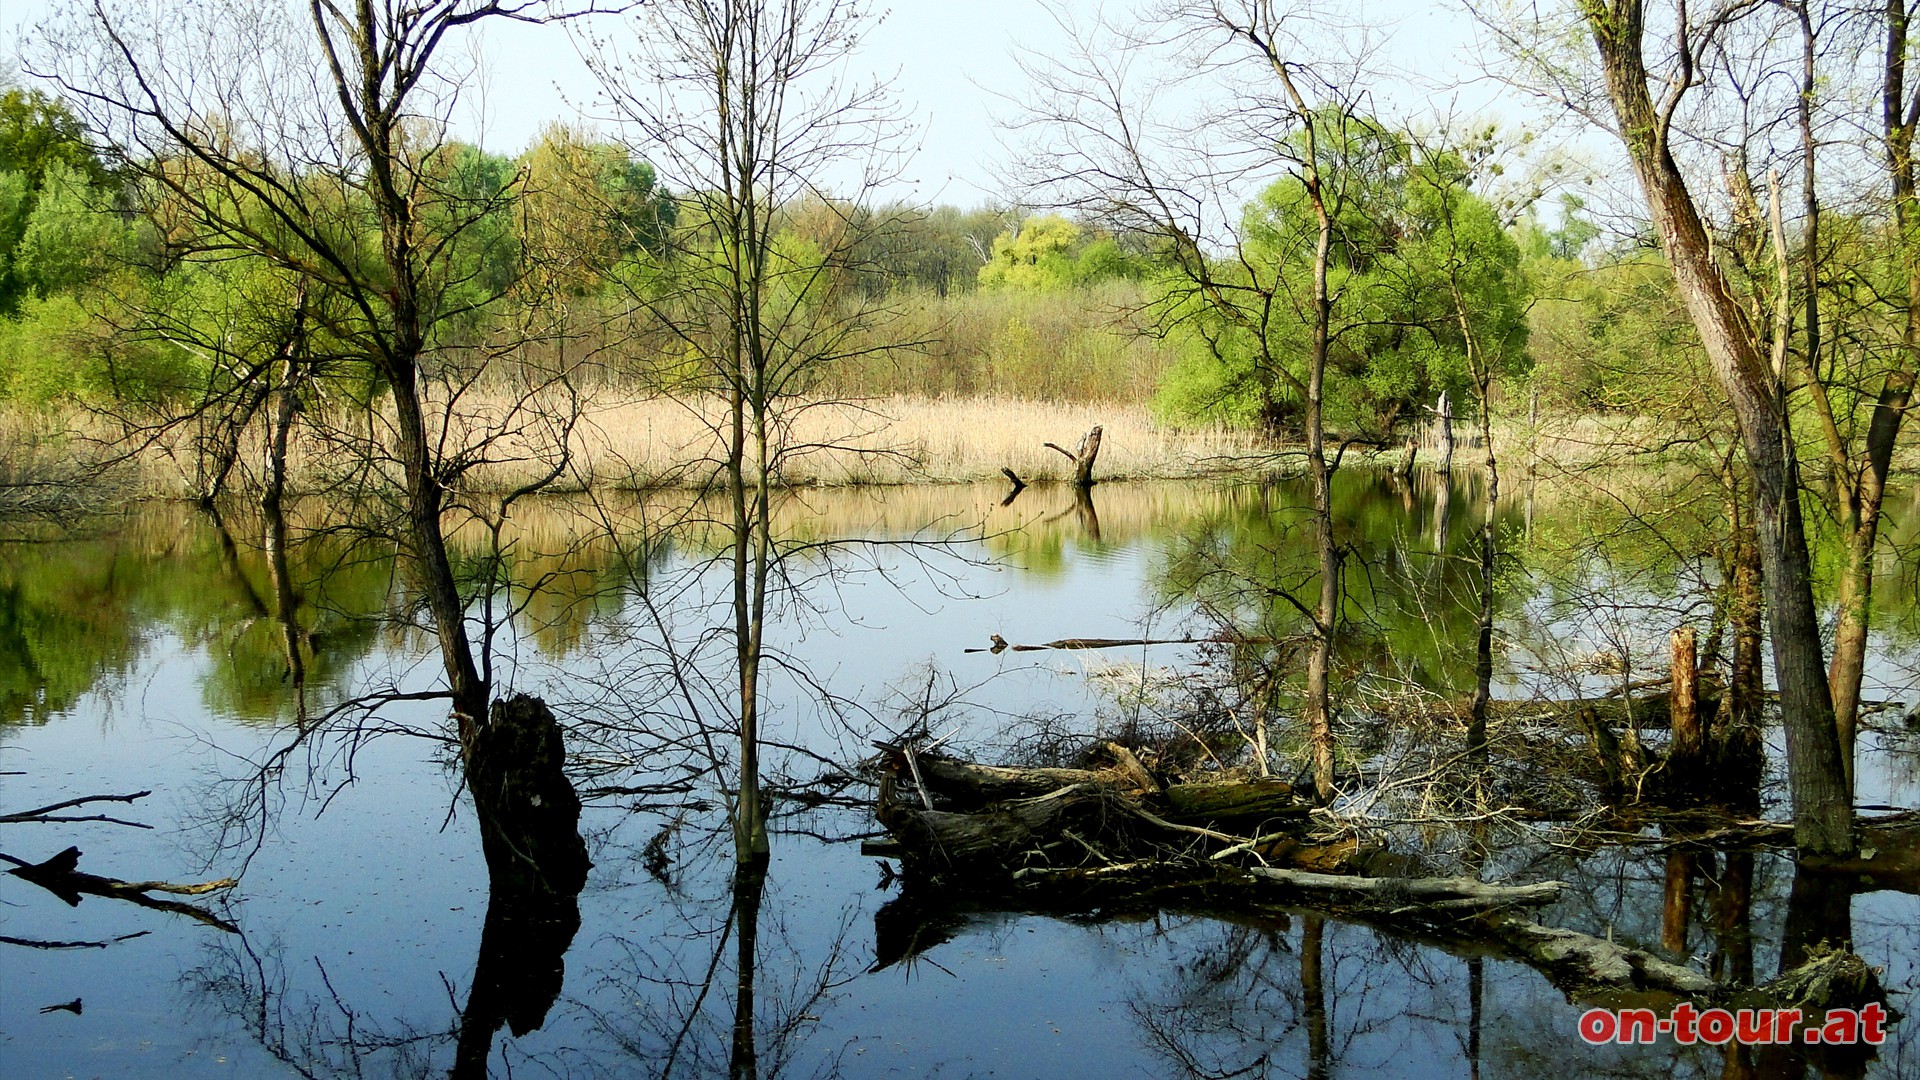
[{"x": 1116, "y": 837}]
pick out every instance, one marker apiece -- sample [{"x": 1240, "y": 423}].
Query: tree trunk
[
  {"x": 432, "y": 570},
  {"x": 1319, "y": 705},
  {"x": 1688, "y": 741},
  {"x": 1816, "y": 775},
  {"x": 1489, "y": 552},
  {"x": 273, "y": 490},
  {"x": 1083, "y": 457}
]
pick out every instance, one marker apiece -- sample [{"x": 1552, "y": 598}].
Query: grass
[{"x": 624, "y": 440}]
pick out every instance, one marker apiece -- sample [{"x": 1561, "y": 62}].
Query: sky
[{"x": 952, "y": 63}]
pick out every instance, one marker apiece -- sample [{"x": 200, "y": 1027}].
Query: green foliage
[
  {"x": 1061, "y": 345},
  {"x": 38, "y": 132},
  {"x": 588, "y": 207},
  {"x": 74, "y": 236},
  {"x": 16, "y": 208},
  {"x": 1612, "y": 337},
  {"x": 1427, "y": 289},
  {"x": 1050, "y": 253}
]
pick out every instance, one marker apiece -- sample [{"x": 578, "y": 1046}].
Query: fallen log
[
  {"x": 1574, "y": 959},
  {"x": 1461, "y": 916},
  {"x": 49, "y": 813},
  {"x": 1400, "y": 894},
  {"x": 945, "y": 813},
  {"x": 966, "y": 783},
  {"x": 61, "y": 876},
  {"x": 991, "y": 842},
  {"x": 998, "y": 644},
  {"x": 1233, "y": 801}
]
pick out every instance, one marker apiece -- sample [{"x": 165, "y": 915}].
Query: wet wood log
[
  {"x": 1462, "y": 916},
  {"x": 1405, "y": 895},
  {"x": 1224, "y": 802},
  {"x": 993, "y": 841},
  {"x": 1827, "y": 980},
  {"x": 964, "y": 783},
  {"x": 945, "y": 813},
  {"x": 1582, "y": 962}
]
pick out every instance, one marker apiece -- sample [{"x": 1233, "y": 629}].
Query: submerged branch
[
  {"x": 40, "y": 814},
  {"x": 62, "y": 877}
]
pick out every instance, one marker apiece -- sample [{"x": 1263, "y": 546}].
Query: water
[{"x": 138, "y": 654}]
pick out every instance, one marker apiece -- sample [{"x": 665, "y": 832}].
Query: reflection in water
[
  {"x": 529, "y": 818},
  {"x": 749, "y": 886},
  {"x": 637, "y": 979},
  {"x": 661, "y": 1008},
  {"x": 520, "y": 971}
]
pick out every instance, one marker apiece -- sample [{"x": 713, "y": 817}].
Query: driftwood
[
  {"x": 1119, "y": 839},
  {"x": 50, "y": 812},
  {"x": 1000, "y": 644},
  {"x": 62, "y": 877},
  {"x": 974, "y": 823},
  {"x": 1459, "y": 915},
  {"x": 1019, "y": 486},
  {"x": 1234, "y": 800}
]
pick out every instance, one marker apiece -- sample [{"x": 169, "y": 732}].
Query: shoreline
[{"x": 639, "y": 444}]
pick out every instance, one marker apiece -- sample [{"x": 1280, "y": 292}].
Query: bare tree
[{"x": 747, "y": 122}]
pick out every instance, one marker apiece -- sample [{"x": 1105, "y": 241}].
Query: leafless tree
[{"x": 739, "y": 105}]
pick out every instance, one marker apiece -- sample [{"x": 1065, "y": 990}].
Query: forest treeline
[{"x": 113, "y": 295}]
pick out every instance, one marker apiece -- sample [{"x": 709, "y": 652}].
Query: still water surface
[{"x": 138, "y": 654}]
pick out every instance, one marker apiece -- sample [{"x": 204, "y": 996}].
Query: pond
[{"x": 138, "y": 653}]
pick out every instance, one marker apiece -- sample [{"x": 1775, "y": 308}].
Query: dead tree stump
[
  {"x": 529, "y": 813},
  {"x": 1083, "y": 458},
  {"x": 1687, "y": 749}
]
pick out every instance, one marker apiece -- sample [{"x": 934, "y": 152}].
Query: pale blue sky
[{"x": 946, "y": 59}]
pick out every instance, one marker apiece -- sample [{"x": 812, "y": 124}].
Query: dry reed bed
[
  {"x": 624, "y": 441},
  {"x": 899, "y": 440}
]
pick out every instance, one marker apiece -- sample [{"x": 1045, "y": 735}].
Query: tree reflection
[
  {"x": 670, "y": 988},
  {"x": 519, "y": 973}
]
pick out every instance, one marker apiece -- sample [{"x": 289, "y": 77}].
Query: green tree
[
  {"x": 1418, "y": 265},
  {"x": 1050, "y": 253},
  {"x": 39, "y": 136}
]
